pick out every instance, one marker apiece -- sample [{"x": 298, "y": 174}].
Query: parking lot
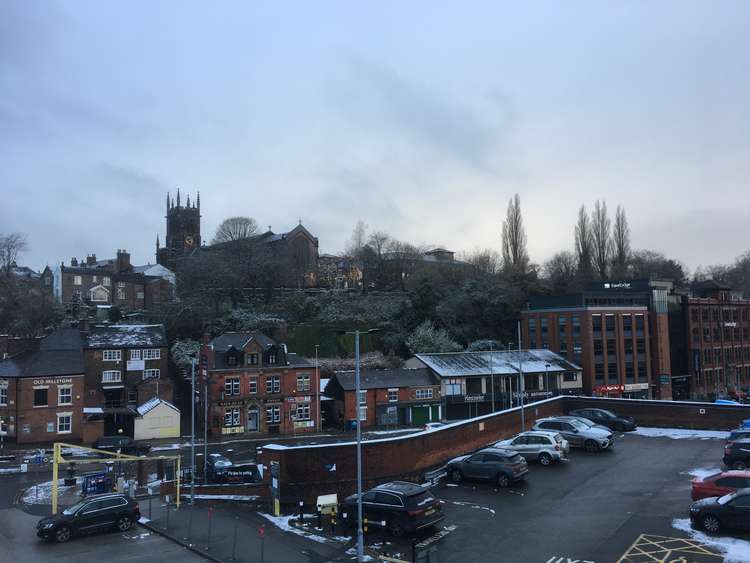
[{"x": 605, "y": 507}]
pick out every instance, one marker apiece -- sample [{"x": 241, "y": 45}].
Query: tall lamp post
[
  {"x": 492, "y": 378},
  {"x": 521, "y": 382},
  {"x": 546, "y": 378},
  {"x": 360, "y": 532},
  {"x": 192, "y": 431},
  {"x": 317, "y": 379}
]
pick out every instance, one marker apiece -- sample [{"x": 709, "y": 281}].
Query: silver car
[
  {"x": 538, "y": 445},
  {"x": 585, "y": 421},
  {"x": 578, "y": 434}
]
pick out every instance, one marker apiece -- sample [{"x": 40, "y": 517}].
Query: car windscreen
[
  {"x": 222, "y": 462},
  {"x": 607, "y": 414},
  {"x": 578, "y": 425},
  {"x": 420, "y": 499},
  {"x": 726, "y": 498}
]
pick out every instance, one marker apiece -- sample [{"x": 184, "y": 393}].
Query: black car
[
  {"x": 607, "y": 418},
  {"x": 737, "y": 454},
  {"x": 494, "y": 464},
  {"x": 716, "y": 513},
  {"x": 399, "y": 507},
  {"x": 739, "y": 434},
  {"x": 122, "y": 444},
  {"x": 217, "y": 467},
  {"x": 95, "y": 513}
]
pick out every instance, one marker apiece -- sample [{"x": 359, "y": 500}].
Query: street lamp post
[
  {"x": 205, "y": 423},
  {"x": 317, "y": 379},
  {"x": 546, "y": 378},
  {"x": 192, "y": 431},
  {"x": 360, "y": 534},
  {"x": 492, "y": 379},
  {"x": 521, "y": 383}
]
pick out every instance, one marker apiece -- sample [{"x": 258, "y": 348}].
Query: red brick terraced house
[
  {"x": 126, "y": 366},
  {"x": 42, "y": 390},
  {"x": 388, "y": 397},
  {"x": 255, "y": 386}
]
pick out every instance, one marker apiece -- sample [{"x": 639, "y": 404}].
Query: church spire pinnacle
[{"x": 178, "y": 197}]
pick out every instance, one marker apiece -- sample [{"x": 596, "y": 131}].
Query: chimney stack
[
  {"x": 74, "y": 262},
  {"x": 122, "y": 262}
]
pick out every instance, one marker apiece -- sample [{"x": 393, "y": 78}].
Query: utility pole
[
  {"x": 492, "y": 379},
  {"x": 317, "y": 389},
  {"x": 192, "y": 431},
  {"x": 360, "y": 534},
  {"x": 521, "y": 383},
  {"x": 205, "y": 423}
]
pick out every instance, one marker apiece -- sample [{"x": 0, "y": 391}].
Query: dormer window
[
  {"x": 231, "y": 360},
  {"x": 272, "y": 358},
  {"x": 251, "y": 359}
]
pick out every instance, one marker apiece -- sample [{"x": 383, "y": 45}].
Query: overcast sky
[{"x": 420, "y": 118}]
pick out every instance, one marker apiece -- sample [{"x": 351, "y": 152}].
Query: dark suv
[
  {"x": 737, "y": 454},
  {"x": 99, "y": 512},
  {"x": 124, "y": 444},
  {"x": 398, "y": 507},
  {"x": 494, "y": 464},
  {"x": 607, "y": 418}
]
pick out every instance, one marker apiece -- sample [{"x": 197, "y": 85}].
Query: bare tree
[
  {"x": 560, "y": 270},
  {"x": 601, "y": 238},
  {"x": 11, "y": 245},
  {"x": 235, "y": 228},
  {"x": 486, "y": 261},
  {"x": 620, "y": 243},
  {"x": 515, "y": 257},
  {"x": 357, "y": 241},
  {"x": 583, "y": 242}
]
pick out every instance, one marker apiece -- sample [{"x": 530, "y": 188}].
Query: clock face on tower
[{"x": 188, "y": 241}]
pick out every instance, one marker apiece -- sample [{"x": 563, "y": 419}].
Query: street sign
[{"x": 664, "y": 379}]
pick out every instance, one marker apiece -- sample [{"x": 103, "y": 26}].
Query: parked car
[
  {"x": 536, "y": 445},
  {"x": 739, "y": 434},
  {"x": 607, "y": 418},
  {"x": 720, "y": 484},
  {"x": 737, "y": 454},
  {"x": 433, "y": 425},
  {"x": 577, "y": 434},
  {"x": 714, "y": 514},
  {"x": 123, "y": 444},
  {"x": 501, "y": 465},
  {"x": 585, "y": 421},
  {"x": 217, "y": 467},
  {"x": 399, "y": 507},
  {"x": 99, "y": 512}
]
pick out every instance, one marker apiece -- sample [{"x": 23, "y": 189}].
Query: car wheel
[
  {"x": 545, "y": 458},
  {"x": 739, "y": 465},
  {"x": 62, "y": 534},
  {"x": 456, "y": 476},
  {"x": 124, "y": 523},
  {"x": 502, "y": 480},
  {"x": 591, "y": 446},
  {"x": 711, "y": 524},
  {"x": 396, "y": 529}
]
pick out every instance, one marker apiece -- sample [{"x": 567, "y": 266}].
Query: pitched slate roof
[
  {"x": 385, "y": 378},
  {"x": 239, "y": 340},
  {"x": 295, "y": 360},
  {"x": 127, "y": 336},
  {"x": 459, "y": 364},
  {"x": 60, "y": 353}
]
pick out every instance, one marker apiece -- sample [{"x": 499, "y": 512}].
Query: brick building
[
  {"x": 470, "y": 382},
  {"x": 125, "y": 366},
  {"x": 397, "y": 397},
  {"x": 256, "y": 386},
  {"x": 717, "y": 341},
  {"x": 618, "y": 332},
  {"x": 112, "y": 282},
  {"x": 42, "y": 390}
]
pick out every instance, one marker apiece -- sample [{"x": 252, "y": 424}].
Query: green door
[
  {"x": 435, "y": 413},
  {"x": 420, "y": 415}
]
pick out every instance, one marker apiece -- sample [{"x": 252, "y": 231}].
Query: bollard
[
  {"x": 320, "y": 519},
  {"x": 210, "y": 521},
  {"x": 190, "y": 524},
  {"x": 167, "y": 528},
  {"x": 234, "y": 540},
  {"x": 301, "y": 513},
  {"x": 149, "y": 508},
  {"x": 333, "y": 522},
  {"x": 262, "y": 533}
]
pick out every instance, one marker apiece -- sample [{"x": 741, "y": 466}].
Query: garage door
[{"x": 420, "y": 415}]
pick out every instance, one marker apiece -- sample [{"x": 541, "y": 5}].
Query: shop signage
[
  {"x": 230, "y": 403},
  {"x": 617, "y": 285},
  {"x": 298, "y": 399},
  {"x": 636, "y": 387},
  {"x": 304, "y": 424},
  {"x": 233, "y": 430},
  {"x": 615, "y": 388},
  {"x": 730, "y": 324},
  {"x": 473, "y": 398},
  {"x": 136, "y": 365},
  {"x": 53, "y": 381}
]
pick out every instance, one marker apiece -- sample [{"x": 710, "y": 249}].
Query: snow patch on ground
[
  {"x": 680, "y": 433},
  {"x": 42, "y": 493},
  {"x": 143, "y": 520},
  {"x": 395, "y": 431},
  {"x": 224, "y": 497},
  {"x": 282, "y": 522},
  {"x": 702, "y": 472},
  {"x": 735, "y": 550}
]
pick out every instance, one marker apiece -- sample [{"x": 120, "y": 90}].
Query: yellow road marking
[{"x": 658, "y": 549}]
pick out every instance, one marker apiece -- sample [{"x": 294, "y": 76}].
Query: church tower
[{"x": 183, "y": 231}]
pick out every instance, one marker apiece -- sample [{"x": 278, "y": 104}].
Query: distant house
[
  {"x": 42, "y": 390},
  {"x": 398, "y": 397},
  {"x": 468, "y": 378},
  {"x": 156, "y": 418}
]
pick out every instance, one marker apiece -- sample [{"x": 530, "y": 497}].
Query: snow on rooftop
[
  {"x": 502, "y": 362},
  {"x": 153, "y": 403},
  {"x": 127, "y": 336}
]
